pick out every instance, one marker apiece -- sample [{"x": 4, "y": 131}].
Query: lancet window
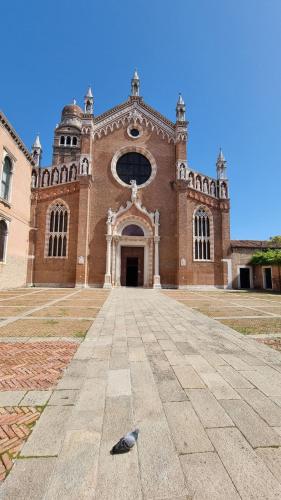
[
  {"x": 57, "y": 230},
  {"x": 201, "y": 235},
  {"x": 3, "y": 239},
  {"x": 6, "y": 179}
]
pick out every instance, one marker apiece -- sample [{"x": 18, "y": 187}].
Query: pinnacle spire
[
  {"x": 135, "y": 84},
  {"x": 89, "y": 101},
  {"x": 36, "y": 151},
  {"x": 221, "y": 165},
  {"x": 89, "y": 92},
  {"x": 180, "y": 109},
  {"x": 221, "y": 156},
  {"x": 37, "y": 143}
]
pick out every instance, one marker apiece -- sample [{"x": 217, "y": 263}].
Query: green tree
[
  {"x": 270, "y": 257},
  {"x": 275, "y": 239}
]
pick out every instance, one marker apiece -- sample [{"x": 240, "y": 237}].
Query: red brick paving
[
  {"x": 31, "y": 366},
  {"x": 275, "y": 343},
  {"x": 15, "y": 426}
]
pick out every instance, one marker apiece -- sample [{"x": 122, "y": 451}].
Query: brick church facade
[{"x": 120, "y": 205}]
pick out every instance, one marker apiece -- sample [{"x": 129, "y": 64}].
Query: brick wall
[{"x": 55, "y": 271}]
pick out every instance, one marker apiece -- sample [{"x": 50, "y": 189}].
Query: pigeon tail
[{"x": 120, "y": 447}]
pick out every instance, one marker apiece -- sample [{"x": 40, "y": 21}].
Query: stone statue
[
  {"x": 156, "y": 216},
  {"x": 191, "y": 180},
  {"x": 85, "y": 164},
  {"x": 212, "y": 190},
  {"x": 182, "y": 171},
  {"x": 205, "y": 186},
  {"x": 63, "y": 175},
  {"x": 45, "y": 179},
  {"x": 33, "y": 180},
  {"x": 134, "y": 188},
  {"x": 88, "y": 107},
  {"x": 72, "y": 175},
  {"x": 223, "y": 191},
  {"x": 55, "y": 177},
  {"x": 198, "y": 184}
]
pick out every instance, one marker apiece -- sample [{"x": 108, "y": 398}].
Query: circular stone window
[
  {"x": 134, "y": 131},
  {"x": 133, "y": 166}
]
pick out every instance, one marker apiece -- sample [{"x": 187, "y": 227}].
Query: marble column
[
  {"x": 107, "y": 278},
  {"x": 156, "y": 276}
]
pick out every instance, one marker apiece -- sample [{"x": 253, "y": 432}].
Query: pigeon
[{"x": 125, "y": 443}]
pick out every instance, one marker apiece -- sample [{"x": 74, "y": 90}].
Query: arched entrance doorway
[
  {"x": 132, "y": 253},
  {"x": 132, "y": 245},
  {"x": 132, "y": 258}
]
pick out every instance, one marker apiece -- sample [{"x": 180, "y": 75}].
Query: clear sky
[{"x": 223, "y": 55}]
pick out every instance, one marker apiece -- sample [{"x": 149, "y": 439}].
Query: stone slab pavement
[{"x": 206, "y": 399}]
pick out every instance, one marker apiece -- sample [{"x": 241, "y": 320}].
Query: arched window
[
  {"x": 201, "y": 235},
  {"x": 57, "y": 230},
  {"x": 132, "y": 230},
  {"x": 3, "y": 239},
  {"x": 62, "y": 140},
  {"x": 74, "y": 141},
  {"x": 6, "y": 178},
  {"x": 68, "y": 140}
]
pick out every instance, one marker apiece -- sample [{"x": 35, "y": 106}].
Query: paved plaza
[{"x": 79, "y": 368}]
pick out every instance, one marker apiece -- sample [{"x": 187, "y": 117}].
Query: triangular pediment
[{"x": 134, "y": 111}]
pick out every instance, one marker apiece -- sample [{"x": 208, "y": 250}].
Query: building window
[
  {"x": 3, "y": 239},
  {"x": 57, "y": 230},
  {"x": 68, "y": 140},
  {"x": 62, "y": 140},
  {"x": 132, "y": 230},
  {"x": 133, "y": 166},
  {"x": 201, "y": 235},
  {"x": 74, "y": 141},
  {"x": 6, "y": 178}
]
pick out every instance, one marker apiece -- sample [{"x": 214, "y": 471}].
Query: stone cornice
[
  {"x": 4, "y": 122},
  {"x": 182, "y": 186},
  {"x": 207, "y": 199},
  {"x": 53, "y": 191}
]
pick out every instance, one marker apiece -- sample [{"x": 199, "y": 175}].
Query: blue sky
[{"x": 223, "y": 55}]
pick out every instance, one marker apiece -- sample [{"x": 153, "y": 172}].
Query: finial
[
  {"x": 136, "y": 76},
  {"x": 89, "y": 92},
  {"x": 37, "y": 143},
  {"x": 221, "y": 156},
  {"x": 74, "y": 101},
  {"x": 180, "y": 99}
]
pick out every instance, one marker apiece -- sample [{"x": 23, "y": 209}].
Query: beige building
[{"x": 15, "y": 178}]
